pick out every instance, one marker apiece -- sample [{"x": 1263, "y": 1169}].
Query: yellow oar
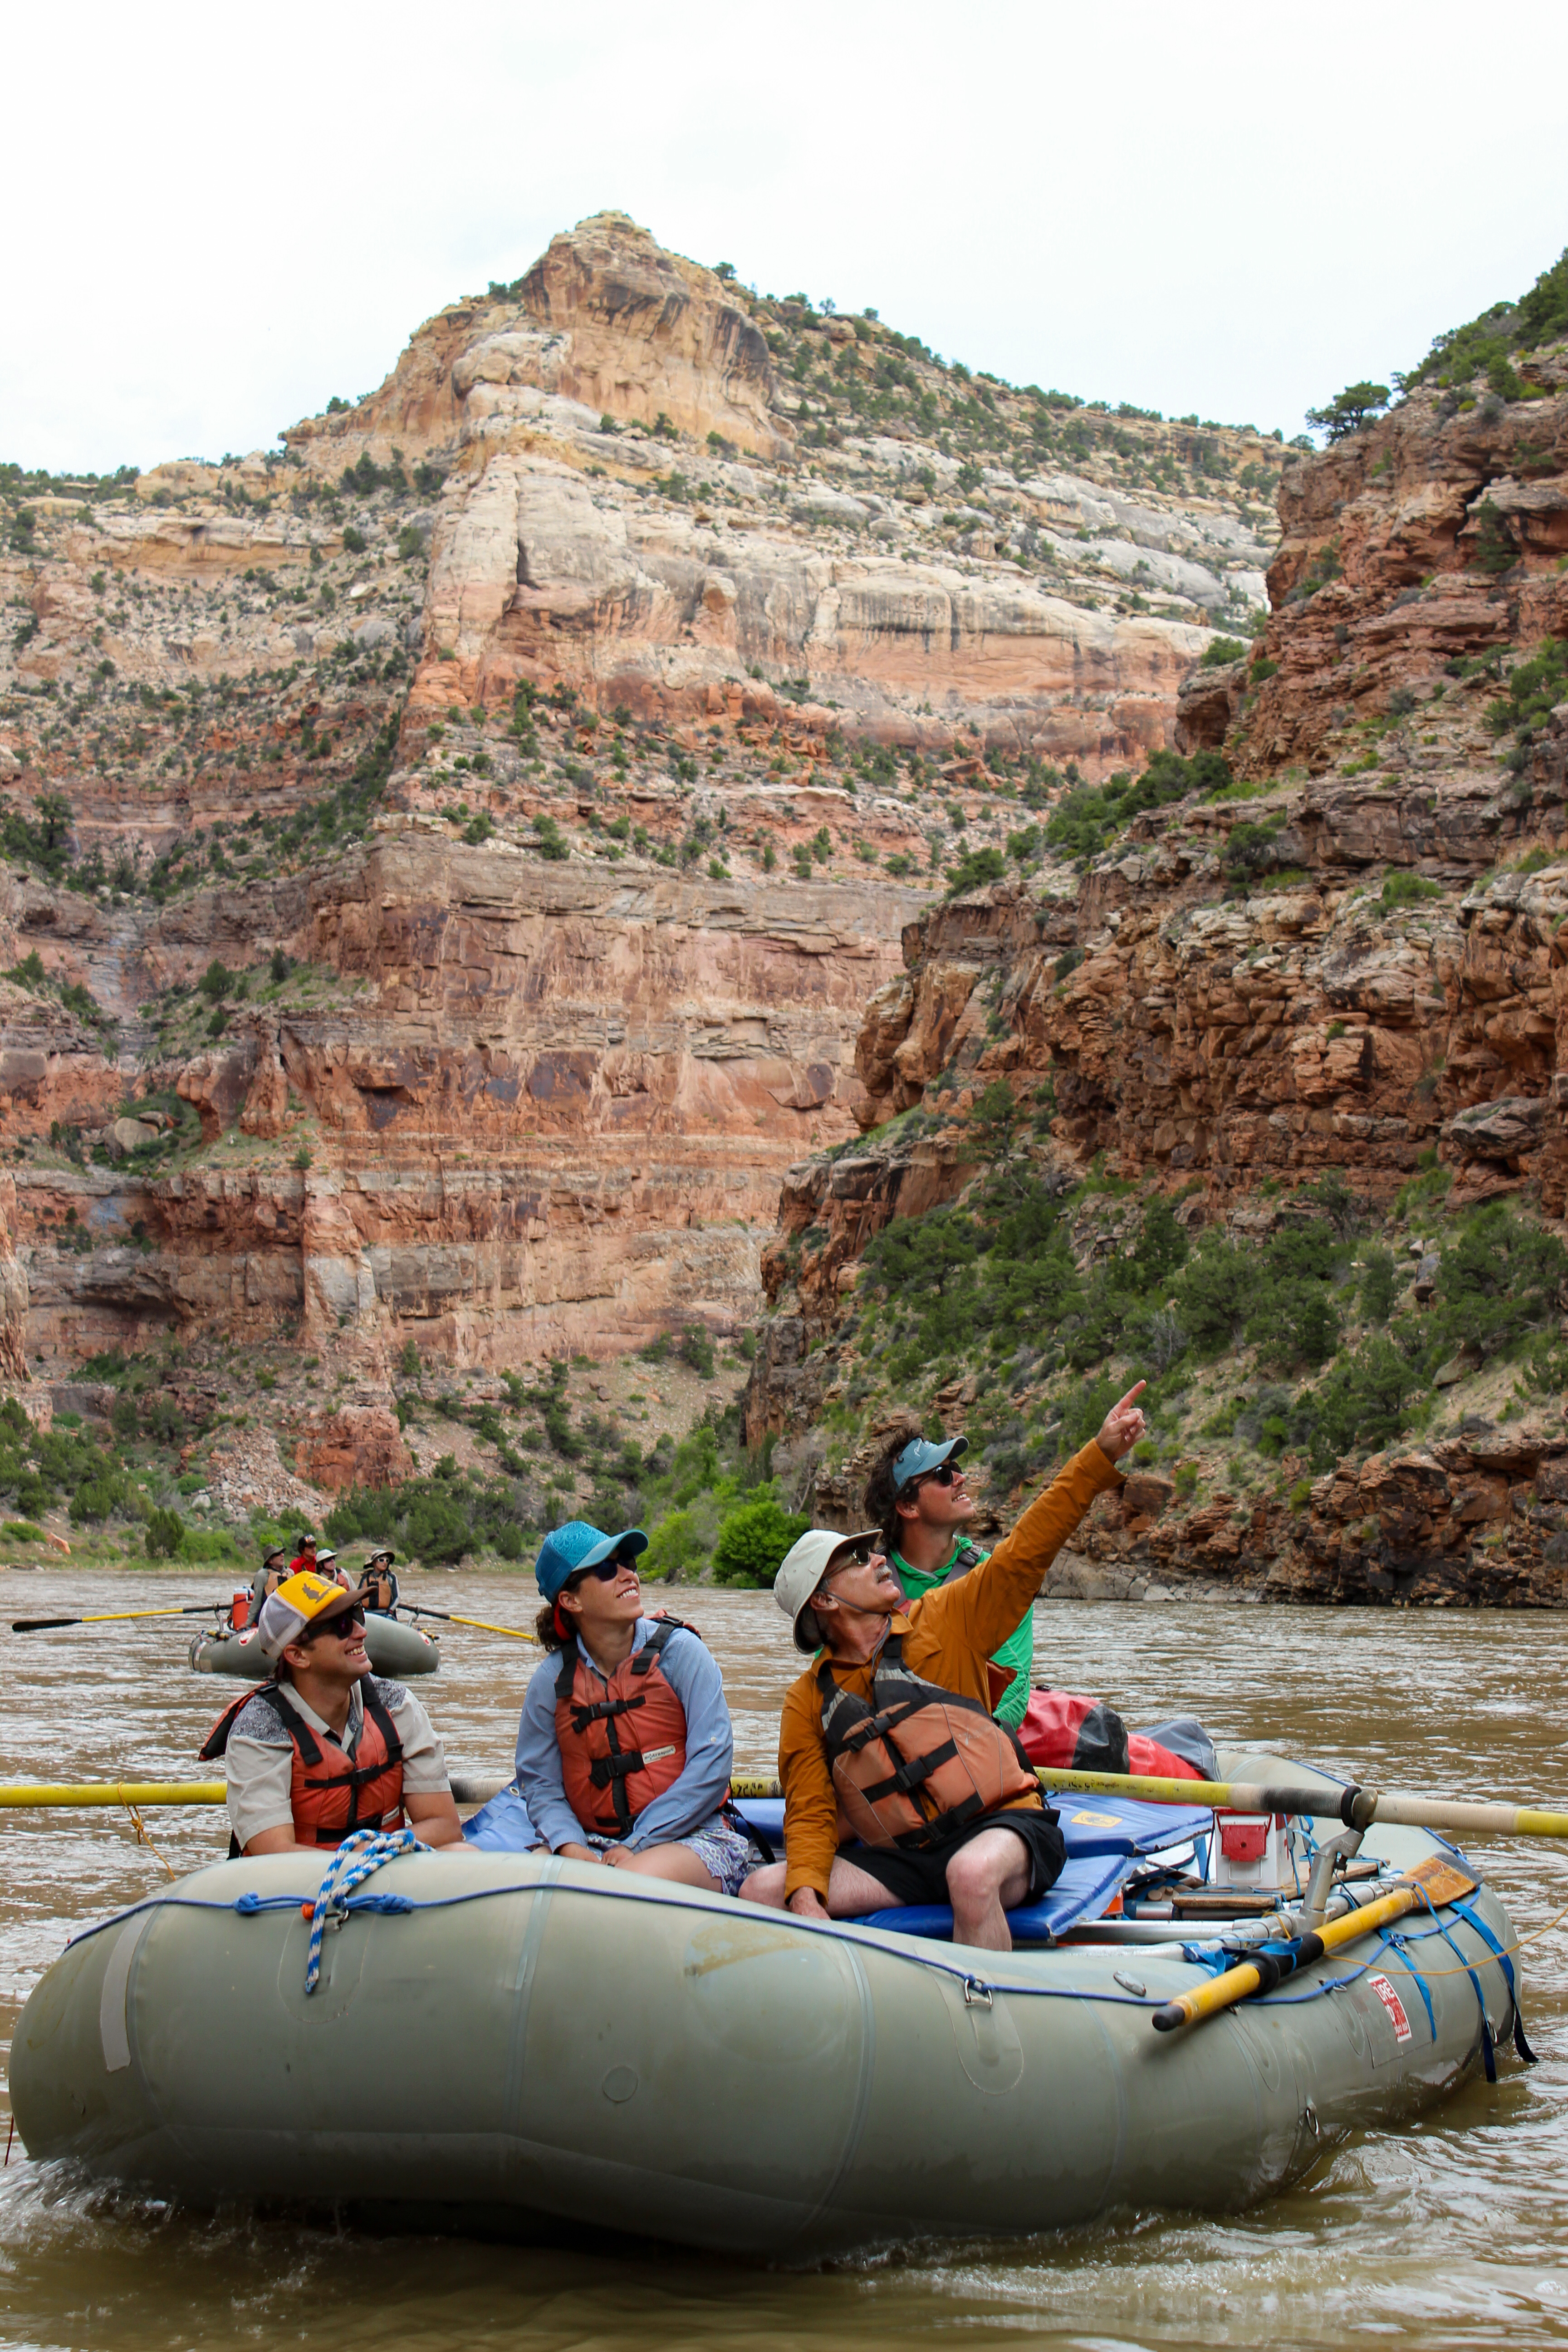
[
  {"x": 1434, "y": 1882},
  {"x": 481, "y": 1624},
  {"x": 174, "y": 1792},
  {"x": 1357, "y": 1808},
  {"x": 109, "y": 1617}
]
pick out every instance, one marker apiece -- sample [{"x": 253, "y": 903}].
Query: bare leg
[
  {"x": 851, "y": 1893},
  {"x": 677, "y": 1861},
  {"x": 984, "y": 1877}
]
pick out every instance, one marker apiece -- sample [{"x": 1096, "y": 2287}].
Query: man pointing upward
[{"x": 889, "y": 1734}]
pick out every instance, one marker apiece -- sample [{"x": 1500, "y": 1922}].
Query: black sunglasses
[
  {"x": 858, "y": 1555},
  {"x": 604, "y": 1572},
  {"x": 342, "y": 1623},
  {"x": 942, "y": 1475}
]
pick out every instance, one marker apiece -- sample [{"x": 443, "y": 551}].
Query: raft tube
[
  {"x": 576, "y": 2044},
  {"x": 396, "y": 1651}
]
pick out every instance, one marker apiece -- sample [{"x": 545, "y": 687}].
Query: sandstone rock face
[
  {"x": 1478, "y": 1520},
  {"x": 552, "y": 1115},
  {"x": 357, "y": 1446},
  {"x": 13, "y": 1290},
  {"x": 563, "y": 551},
  {"x": 541, "y": 1088},
  {"x": 1389, "y": 522}
]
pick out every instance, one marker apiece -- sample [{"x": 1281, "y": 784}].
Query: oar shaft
[
  {"x": 1236, "y": 1984},
  {"x": 109, "y": 1617},
  {"x": 114, "y": 1793},
  {"x": 482, "y": 1624},
  {"x": 1357, "y": 1808},
  {"x": 466, "y": 1790}
]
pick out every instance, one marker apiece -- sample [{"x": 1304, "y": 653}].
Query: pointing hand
[{"x": 1123, "y": 1425}]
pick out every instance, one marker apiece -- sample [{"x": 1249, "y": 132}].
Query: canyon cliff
[
  {"x": 450, "y": 859},
  {"x": 1330, "y": 970}
]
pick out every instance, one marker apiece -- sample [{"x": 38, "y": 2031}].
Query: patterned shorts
[{"x": 727, "y": 1856}]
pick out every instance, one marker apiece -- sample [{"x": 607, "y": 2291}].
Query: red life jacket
[
  {"x": 608, "y": 1781},
  {"x": 921, "y": 1762},
  {"x": 329, "y": 1794},
  {"x": 1084, "y": 1735}
]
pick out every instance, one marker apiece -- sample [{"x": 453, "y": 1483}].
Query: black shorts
[{"x": 922, "y": 1877}]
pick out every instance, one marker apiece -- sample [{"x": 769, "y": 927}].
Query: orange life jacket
[
  {"x": 379, "y": 1587},
  {"x": 330, "y": 1794},
  {"x": 921, "y": 1763},
  {"x": 609, "y": 1781}
]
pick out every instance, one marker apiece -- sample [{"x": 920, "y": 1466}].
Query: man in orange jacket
[{"x": 922, "y": 1666}]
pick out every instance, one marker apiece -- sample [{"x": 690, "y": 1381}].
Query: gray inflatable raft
[
  {"x": 572, "y": 2044},
  {"x": 396, "y": 1651}
]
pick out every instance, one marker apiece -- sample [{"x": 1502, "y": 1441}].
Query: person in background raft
[
  {"x": 891, "y": 1730},
  {"x": 377, "y": 1582},
  {"x": 305, "y": 1557},
  {"x": 274, "y": 1568},
  {"x": 917, "y": 1496},
  {"x": 625, "y": 1747},
  {"x": 325, "y": 1747}
]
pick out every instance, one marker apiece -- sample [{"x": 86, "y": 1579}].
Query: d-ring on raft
[{"x": 575, "y": 2044}]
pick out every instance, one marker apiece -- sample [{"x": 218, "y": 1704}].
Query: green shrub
[
  {"x": 508, "y": 1543},
  {"x": 1496, "y": 549},
  {"x": 1350, "y": 409},
  {"x": 753, "y": 1540},
  {"x": 22, "y": 1531},
  {"x": 437, "y": 1529},
  {"x": 165, "y": 1535},
  {"x": 1498, "y": 1282},
  {"x": 216, "y": 980},
  {"x": 1378, "y": 1290},
  {"x": 696, "y": 1351},
  {"x": 974, "y": 870},
  {"x": 675, "y": 1548},
  {"x": 1090, "y": 816},
  {"x": 211, "y": 1544},
  {"x": 1404, "y": 888},
  {"x": 1363, "y": 1401}
]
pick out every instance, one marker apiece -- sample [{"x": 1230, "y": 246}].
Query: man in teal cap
[{"x": 917, "y": 1496}]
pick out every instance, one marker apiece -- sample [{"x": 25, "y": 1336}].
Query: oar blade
[
  {"x": 43, "y": 1624},
  {"x": 1440, "y": 1882}
]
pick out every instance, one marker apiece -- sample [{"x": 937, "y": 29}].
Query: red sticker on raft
[{"x": 1395, "y": 2006}]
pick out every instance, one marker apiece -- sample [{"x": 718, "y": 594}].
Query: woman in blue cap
[{"x": 625, "y": 1747}]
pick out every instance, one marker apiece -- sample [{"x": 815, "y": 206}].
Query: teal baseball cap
[
  {"x": 921, "y": 1456},
  {"x": 567, "y": 1550}
]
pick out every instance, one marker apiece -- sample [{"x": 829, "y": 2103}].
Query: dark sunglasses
[
  {"x": 859, "y": 1555},
  {"x": 345, "y": 1623},
  {"x": 942, "y": 1475},
  {"x": 604, "y": 1572}
]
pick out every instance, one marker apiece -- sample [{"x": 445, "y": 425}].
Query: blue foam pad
[
  {"x": 1083, "y": 1890},
  {"x": 1123, "y": 1824}
]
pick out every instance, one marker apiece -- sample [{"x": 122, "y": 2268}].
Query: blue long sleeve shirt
[{"x": 688, "y": 1801}]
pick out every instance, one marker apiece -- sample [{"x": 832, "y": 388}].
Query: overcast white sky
[{"x": 220, "y": 216}]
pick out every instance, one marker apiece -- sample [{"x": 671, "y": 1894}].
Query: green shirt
[{"x": 1017, "y": 1652}]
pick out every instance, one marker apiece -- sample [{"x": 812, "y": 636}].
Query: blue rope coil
[{"x": 353, "y": 1863}]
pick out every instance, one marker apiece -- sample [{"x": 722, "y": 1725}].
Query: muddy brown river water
[{"x": 1452, "y": 2231}]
